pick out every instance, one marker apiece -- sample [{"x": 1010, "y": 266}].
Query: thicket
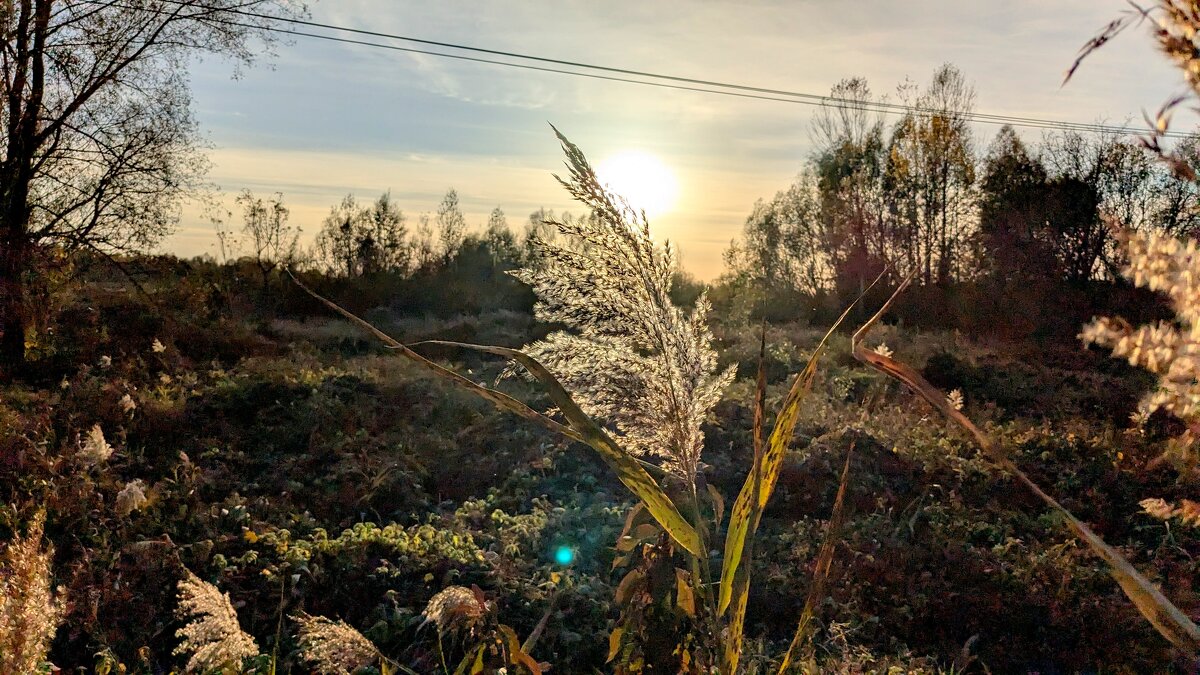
[{"x": 1009, "y": 240}]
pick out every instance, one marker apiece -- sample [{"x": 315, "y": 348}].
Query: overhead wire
[{"x": 632, "y": 76}]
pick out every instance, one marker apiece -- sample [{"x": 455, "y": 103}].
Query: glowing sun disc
[{"x": 642, "y": 179}]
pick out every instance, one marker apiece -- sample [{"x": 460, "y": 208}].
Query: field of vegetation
[
  {"x": 891, "y": 438},
  {"x": 198, "y": 427}
]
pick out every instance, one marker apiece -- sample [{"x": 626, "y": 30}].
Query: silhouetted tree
[
  {"x": 358, "y": 240},
  {"x": 782, "y": 249},
  {"x": 931, "y": 175},
  {"x": 451, "y": 225},
  {"x": 848, "y": 165},
  {"x": 1017, "y": 238},
  {"x": 98, "y": 141},
  {"x": 272, "y": 240}
]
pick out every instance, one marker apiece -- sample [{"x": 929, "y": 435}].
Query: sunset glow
[{"x": 642, "y": 179}]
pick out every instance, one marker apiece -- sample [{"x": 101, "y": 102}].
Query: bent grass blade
[{"x": 1166, "y": 618}]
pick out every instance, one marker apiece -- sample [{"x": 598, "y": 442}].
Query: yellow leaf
[
  {"x": 627, "y": 586},
  {"x": 756, "y": 491},
  {"x": 614, "y": 643},
  {"x": 684, "y": 597}
]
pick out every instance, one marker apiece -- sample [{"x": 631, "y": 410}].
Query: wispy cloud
[{"x": 331, "y": 119}]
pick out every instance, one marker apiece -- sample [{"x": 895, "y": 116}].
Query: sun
[{"x": 642, "y": 179}]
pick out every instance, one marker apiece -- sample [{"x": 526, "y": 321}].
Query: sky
[{"x": 318, "y": 120}]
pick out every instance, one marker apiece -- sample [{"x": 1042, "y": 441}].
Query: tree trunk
[
  {"x": 13, "y": 320},
  {"x": 24, "y": 103}
]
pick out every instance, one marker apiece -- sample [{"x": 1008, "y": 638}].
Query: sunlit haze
[
  {"x": 643, "y": 180},
  {"x": 322, "y": 119}
]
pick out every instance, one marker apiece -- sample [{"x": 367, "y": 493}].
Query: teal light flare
[{"x": 564, "y": 555}]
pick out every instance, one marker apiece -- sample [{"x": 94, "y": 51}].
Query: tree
[
  {"x": 265, "y": 225},
  {"x": 782, "y": 248},
  {"x": 500, "y": 240},
  {"x": 361, "y": 240},
  {"x": 931, "y": 175},
  {"x": 1096, "y": 174},
  {"x": 98, "y": 142},
  {"x": 1177, "y": 209},
  {"x": 451, "y": 224},
  {"x": 1014, "y": 190},
  {"x": 848, "y": 163}
]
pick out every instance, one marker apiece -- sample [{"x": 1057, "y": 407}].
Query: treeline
[
  {"x": 370, "y": 255},
  {"x": 1005, "y": 237}
]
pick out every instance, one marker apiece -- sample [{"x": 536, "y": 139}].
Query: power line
[{"x": 664, "y": 81}]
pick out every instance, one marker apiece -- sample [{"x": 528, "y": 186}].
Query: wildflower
[
  {"x": 157, "y": 347},
  {"x": 1164, "y": 264},
  {"x": 105, "y": 361},
  {"x": 454, "y": 607},
  {"x": 630, "y": 356},
  {"x": 213, "y": 637},
  {"x": 1157, "y": 508},
  {"x": 1186, "y": 512},
  {"x": 334, "y": 646},
  {"x": 955, "y": 399},
  {"x": 131, "y": 498},
  {"x": 95, "y": 448},
  {"x": 29, "y": 611},
  {"x": 164, "y": 379},
  {"x": 883, "y": 350},
  {"x": 65, "y": 384},
  {"x": 127, "y": 404}
]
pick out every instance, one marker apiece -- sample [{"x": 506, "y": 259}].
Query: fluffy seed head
[
  {"x": 29, "y": 611},
  {"x": 95, "y": 448},
  {"x": 213, "y": 637},
  {"x": 454, "y": 607},
  {"x": 629, "y": 356},
  {"x": 333, "y": 647},
  {"x": 131, "y": 498}
]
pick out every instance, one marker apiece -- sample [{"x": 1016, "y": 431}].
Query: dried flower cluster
[
  {"x": 955, "y": 399},
  {"x": 454, "y": 607},
  {"x": 213, "y": 637},
  {"x": 1186, "y": 512},
  {"x": 333, "y": 647},
  {"x": 95, "y": 449},
  {"x": 1164, "y": 264},
  {"x": 631, "y": 357},
  {"x": 131, "y": 498},
  {"x": 1178, "y": 23},
  {"x": 29, "y": 611},
  {"x": 1170, "y": 266}
]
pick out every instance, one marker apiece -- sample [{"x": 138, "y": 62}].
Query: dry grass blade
[
  {"x": 629, "y": 471},
  {"x": 824, "y": 564},
  {"x": 583, "y": 429},
  {"x": 497, "y": 398},
  {"x": 1110, "y": 31},
  {"x": 741, "y": 581},
  {"x": 747, "y": 510},
  {"x": 1172, "y": 623}
]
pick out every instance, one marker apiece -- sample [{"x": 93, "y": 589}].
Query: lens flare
[{"x": 564, "y": 555}]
